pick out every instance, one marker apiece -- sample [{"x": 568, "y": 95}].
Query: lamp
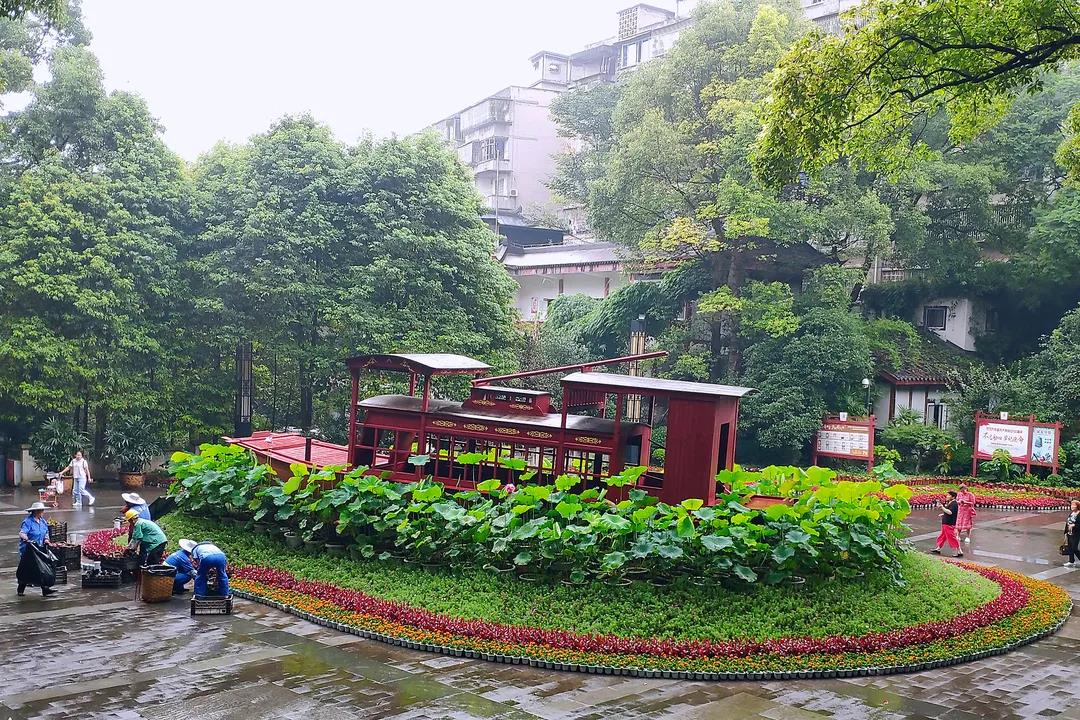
[{"x": 866, "y": 383}]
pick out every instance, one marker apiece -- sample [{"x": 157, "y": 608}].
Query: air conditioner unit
[{"x": 513, "y": 193}]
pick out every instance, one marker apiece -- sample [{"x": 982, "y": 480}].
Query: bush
[
  {"x": 830, "y": 527},
  {"x": 921, "y": 446},
  {"x": 54, "y": 444},
  {"x": 883, "y": 454},
  {"x": 1000, "y": 468},
  {"x": 132, "y": 442}
]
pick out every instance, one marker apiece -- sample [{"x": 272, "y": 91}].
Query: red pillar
[{"x": 352, "y": 413}]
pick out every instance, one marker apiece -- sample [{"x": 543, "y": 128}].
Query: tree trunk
[
  {"x": 305, "y": 394},
  {"x": 101, "y": 417},
  {"x": 727, "y": 269},
  {"x": 735, "y": 282},
  {"x": 274, "y": 394}
]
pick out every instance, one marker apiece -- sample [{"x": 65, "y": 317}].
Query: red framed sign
[
  {"x": 846, "y": 438},
  {"x": 1027, "y": 442}
]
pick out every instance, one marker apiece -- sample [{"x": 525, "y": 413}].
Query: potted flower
[{"x": 132, "y": 444}]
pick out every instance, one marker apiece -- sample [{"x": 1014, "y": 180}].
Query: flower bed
[
  {"x": 1025, "y": 609},
  {"x": 102, "y": 544},
  {"x": 1065, "y": 493},
  {"x": 991, "y": 496}
]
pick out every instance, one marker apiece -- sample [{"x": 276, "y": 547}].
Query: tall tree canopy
[
  {"x": 867, "y": 92},
  {"x": 317, "y": 250},
  {"x": 89, "y": 231},
  {"x": 664, "y": 167}
]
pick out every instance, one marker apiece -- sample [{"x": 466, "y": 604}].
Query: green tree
[
  {"x": 664, "y": 170},
  {"x": 88, "y": 235},
  {"x": 317, "y": 251},
  {"x": 867, "y": 92},
  {"x": 799, "y": 378}
]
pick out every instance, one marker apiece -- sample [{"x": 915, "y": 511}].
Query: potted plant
[
  {"x": 132, "y": 443},
  {"x": 55, "y": 442}
]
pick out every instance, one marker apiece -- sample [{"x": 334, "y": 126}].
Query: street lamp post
[{"x": 867, "y": 384}]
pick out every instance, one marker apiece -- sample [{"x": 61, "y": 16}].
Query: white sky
[{"x": 226, "y": 69}]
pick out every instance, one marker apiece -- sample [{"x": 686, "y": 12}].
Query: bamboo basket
[{"x": 155, "y": 588}]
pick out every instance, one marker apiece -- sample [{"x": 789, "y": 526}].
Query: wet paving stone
[{"x": 101, "y": 654}]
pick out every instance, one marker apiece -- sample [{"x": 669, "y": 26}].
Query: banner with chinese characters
[{"x": 1027, "y": 442}]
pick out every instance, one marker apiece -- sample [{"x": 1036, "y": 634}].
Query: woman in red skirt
[
  {"x": 950, "y": 509},
  {"x": 965, "y": 518}
]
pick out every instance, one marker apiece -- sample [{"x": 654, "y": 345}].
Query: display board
[
  {"x": 846, "y": 438},
  {"x": 1027, "y": 442}
]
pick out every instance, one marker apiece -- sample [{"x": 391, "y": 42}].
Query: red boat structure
[{"x": 603, "y": 425}]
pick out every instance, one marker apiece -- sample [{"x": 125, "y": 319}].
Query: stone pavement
[{"x": 100, "y": 654}]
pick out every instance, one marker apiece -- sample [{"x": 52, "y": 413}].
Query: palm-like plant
[
  {"x": 55, "y": 443},
  {"x": 132, "y": 443}
]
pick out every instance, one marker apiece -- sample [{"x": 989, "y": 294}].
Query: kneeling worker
[
  {"x": 146, "y": 537},
  {"x": 181, "y": 560},
  {"x": 206, "y": 557}
]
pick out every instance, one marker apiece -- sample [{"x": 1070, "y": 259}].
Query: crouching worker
[
  {"x": 208, "y": 557},
  {"x": 181, "y": 560},
  {"x": 146, "y": 537}
]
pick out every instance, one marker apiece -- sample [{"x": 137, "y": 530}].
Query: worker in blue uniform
[
  {"x": 134, "y": 501},
  {"x": 181, "y": 560},
  {"x": 206, "y": 557}
]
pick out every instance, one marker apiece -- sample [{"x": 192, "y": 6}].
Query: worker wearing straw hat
[
  {"x": 146, "y": 537},
  {"x": 134, "y": 501},
  {"x": 181, "y": 560},
  {"x": 33, "y": 531}
]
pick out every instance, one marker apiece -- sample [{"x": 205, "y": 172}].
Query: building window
[
  {"x": 631, "y": 54},
  {"x": 936, "y": 414},
  {"x": 492, "y": 148},
  {"x": 993, "y": 320},
  {"x": 560, "y": 286},
  {"x": 934, "y": 317}
]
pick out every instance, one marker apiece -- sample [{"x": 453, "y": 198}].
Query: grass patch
[{"x": 934, "y": 591}]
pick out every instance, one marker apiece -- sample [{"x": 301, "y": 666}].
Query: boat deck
[{"x": 290, "y": 448}]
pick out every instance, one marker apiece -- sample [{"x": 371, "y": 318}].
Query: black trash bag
[
  {"x": 162, "y": 507},
  {"x": 163, "y": 570},
  {"x": 37, "y": 566}
]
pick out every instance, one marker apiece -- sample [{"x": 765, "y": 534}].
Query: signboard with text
[
  {"x": 1027, "y": 442},
  {"x": 849, "y": 439}
]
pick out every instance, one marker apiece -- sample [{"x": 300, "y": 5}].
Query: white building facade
[
  {"x": 546, "y": 273},
  {"x": 509, "y": 141}
]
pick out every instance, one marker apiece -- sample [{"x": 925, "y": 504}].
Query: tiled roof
[{"x": 560, "y": 255}]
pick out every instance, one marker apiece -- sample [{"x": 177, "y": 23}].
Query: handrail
[{"x": 581, "y": 367}]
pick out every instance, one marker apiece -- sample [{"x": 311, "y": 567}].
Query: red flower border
[
  {"x": 1014, "y": 596},
  {"x": 1044, "y": 502},
  {"x": 99, "y": 544}
]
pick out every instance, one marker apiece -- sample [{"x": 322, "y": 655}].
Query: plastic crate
[
  {"x": 58, "y": 532},
  {"x": 211, "y": 605},
  {"x": 126, "y": 564},
  {"x": 104, "y": 580},
  {"x": 61, "y": 575},
  {"x": 69, "y": 557}
]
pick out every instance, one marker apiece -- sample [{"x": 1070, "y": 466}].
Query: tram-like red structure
[{"x": 603, "y": 425}]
